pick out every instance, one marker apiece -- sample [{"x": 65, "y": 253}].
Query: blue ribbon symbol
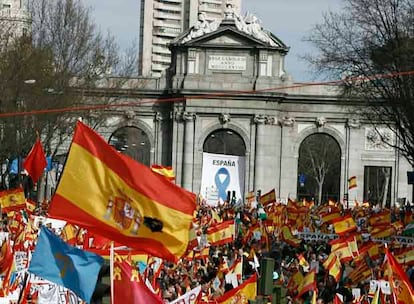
[{"x": 222, "y": 185}]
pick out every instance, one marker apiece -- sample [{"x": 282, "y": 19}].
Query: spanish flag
[
  {"x": 166, "y": 171},
  {"x": 344, "y": 225},
  {"x": 242, "y": 293},
  {"x": 352, "y": 182},
  {"x": 335, "y": 268},
  {"x": 12, "y": 200},
  {"x": 110, "y": 194},
  {"x": 295, "y": 281},
  {"x": 287, "y": 236},
  {"x": 400, "y": 283},
  {"x": 221, "y": 234},
  {"x": 382, "y": 218},
  {"x": 268, "y": 198},
  {"x": 308, "y": 283}
]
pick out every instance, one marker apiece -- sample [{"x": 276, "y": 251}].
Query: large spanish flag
[{"x": 111, "y": 194}]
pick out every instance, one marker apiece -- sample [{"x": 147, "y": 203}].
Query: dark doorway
[{"x": 319, "y": 168}]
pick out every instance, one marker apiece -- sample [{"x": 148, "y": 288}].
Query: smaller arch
[
  {"x": 225, "y": 141},
  {"x": 132, "y": 141},
  {"x": 133, "y": 123},
  {"x": 231, "y": 126}
]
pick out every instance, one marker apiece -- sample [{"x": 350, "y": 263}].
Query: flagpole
[
  {"x": 111, "y": 268},
  {"x": 26, "y": 275}
]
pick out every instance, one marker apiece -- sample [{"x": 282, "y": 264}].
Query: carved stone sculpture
[{"x": 224, "y": 118}]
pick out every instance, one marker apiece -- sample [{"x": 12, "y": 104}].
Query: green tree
[
  {"x": 370, "y": 44},
  {"x": 320, "y": 162}
]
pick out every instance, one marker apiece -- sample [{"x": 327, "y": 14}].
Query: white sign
[
  {"x": 225, "y": 62},
  {"x": 222, "y": 173}
]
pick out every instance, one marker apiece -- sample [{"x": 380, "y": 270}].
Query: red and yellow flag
[
  {"x": 242, "y": 294},
  {"x": 382, "y": 218},
  {"x": 344, "y": 224},
  {"x": 111, "y": 194},
  {"x": 295, "y": 281},
  {"x": 399, "y": 282},
  {"x": 308, "y": 283},
  {"x": 268, "y": 198},
  {"x": 288, "y": 237},
  {"x": 352, "y": 182},
  {"x": 12, "y": 200},
  {"x": 335, "y": 268},
  {"x": 166, "y": 171},
  {"x": 221, "y": 234}
]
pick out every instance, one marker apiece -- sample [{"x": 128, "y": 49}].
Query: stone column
[
  {"x": 188, "y": 157},
  {"x": 158, "y": 121},
  {"x": 259, "y": 162}
]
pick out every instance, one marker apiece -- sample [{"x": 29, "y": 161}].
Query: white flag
[{"x": 189, "y": 297}]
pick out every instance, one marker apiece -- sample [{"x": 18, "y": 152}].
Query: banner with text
[{"x": 222, "y": 173}]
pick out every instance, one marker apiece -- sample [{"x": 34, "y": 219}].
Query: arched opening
[
  {"x": 225, "y": 141},
  {"x": 223, "y": 169},
  {"x": 134, "y": 142},
  {"x": 319, "y": 168}
]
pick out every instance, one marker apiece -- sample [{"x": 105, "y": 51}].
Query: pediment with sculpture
[{"x": 247, "y": 27}]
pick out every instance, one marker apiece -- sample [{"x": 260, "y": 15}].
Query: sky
[{"x": 289, "y": 20}]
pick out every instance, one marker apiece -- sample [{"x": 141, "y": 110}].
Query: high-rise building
[
  {"x": 163, "y": 20},
  {"x": 14, "y": 19}
]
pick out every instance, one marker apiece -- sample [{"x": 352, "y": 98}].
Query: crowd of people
[
  {"x": 272, "y": 230},
  {"x": 258, "y": 235}
]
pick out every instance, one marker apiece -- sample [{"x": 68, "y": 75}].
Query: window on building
[
  {"x": 225, "y": 141},
  {"x": 134, "y": 142},
  {"x": 319, "y": 168},
  {"x": 377, "y": 185},
  {"x": 6, "y": 9}
]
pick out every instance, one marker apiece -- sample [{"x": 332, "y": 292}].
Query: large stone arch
[
  {"x": 336, "y": 182},
  {"x": 312, "y": 130},
  {"x": 204, "y": 133}
]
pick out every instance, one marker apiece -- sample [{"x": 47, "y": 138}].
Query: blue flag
[{"x": 65, "y": 265}]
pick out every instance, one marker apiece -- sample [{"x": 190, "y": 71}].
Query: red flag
[
  {"x": 35, "y": 161},
  {"x": 129, "y": 288}
]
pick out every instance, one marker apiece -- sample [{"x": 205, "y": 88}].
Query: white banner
[{"x": 222, "y": 173}]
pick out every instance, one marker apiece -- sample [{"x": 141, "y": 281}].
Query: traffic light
[{"x": 267, "y": 266}]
